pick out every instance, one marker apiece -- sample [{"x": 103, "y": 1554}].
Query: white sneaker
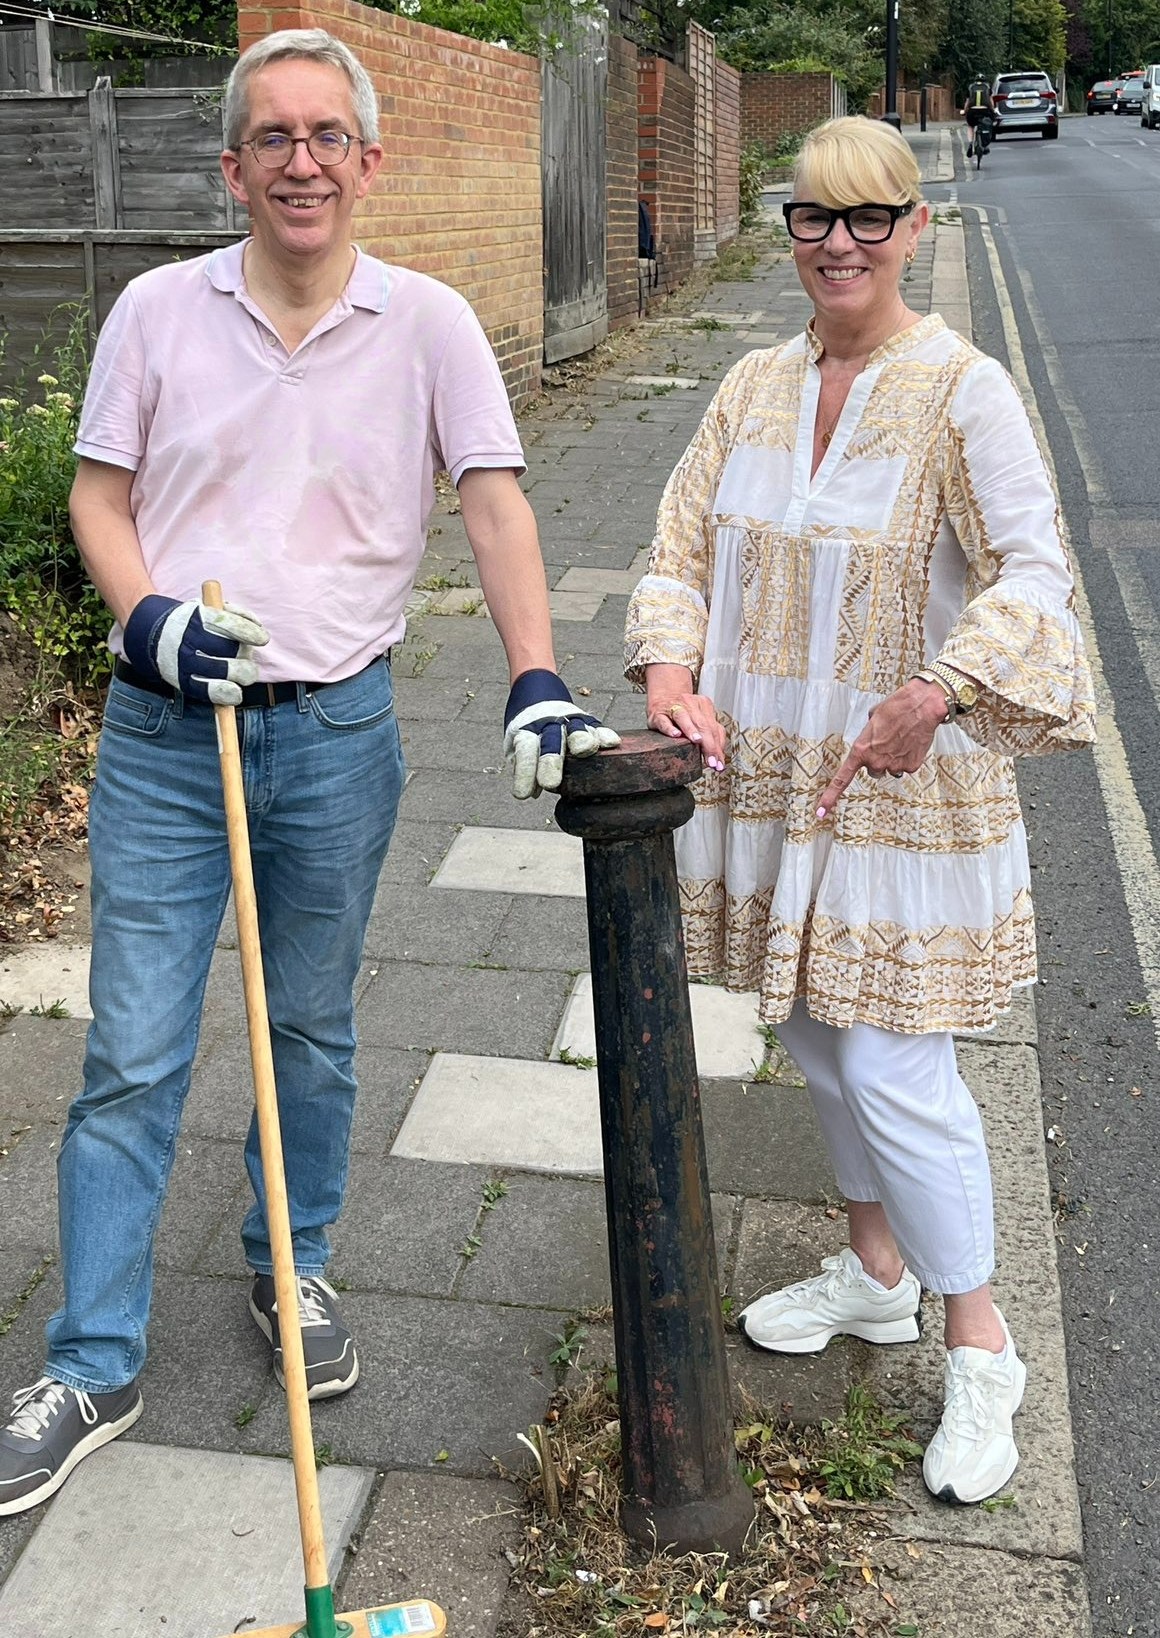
[
  {"x": 802, "y": 1318},
  {"x": 973, "y": 1453}
]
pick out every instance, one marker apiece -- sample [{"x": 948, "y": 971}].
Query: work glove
[
  {"x": 206, "y": 654},
  {"x": 542, "y": 723}
]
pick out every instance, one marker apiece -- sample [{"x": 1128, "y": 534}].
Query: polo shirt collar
[{"x": 368, "y": 285}]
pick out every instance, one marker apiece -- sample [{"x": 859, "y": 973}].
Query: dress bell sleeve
[
  {"x": 1018, "y": 635},
  {"x": 668, "y": 613}
]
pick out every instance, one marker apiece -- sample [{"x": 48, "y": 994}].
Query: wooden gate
[{"x": 575, "y": 288}]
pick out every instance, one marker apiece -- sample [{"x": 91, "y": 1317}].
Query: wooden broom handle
[{"x": 270, "y": 1138}]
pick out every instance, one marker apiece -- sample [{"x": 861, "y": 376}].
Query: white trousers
[{"x": 903, "y": 1130}]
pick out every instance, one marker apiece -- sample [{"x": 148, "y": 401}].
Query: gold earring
[{"x": 910, "y": 255}]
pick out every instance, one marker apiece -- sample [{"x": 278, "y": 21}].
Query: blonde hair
[{"x": 857, "y": 161}]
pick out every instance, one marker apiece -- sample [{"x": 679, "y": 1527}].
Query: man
[
  {"x": 979, "y": 112},
  {"x": 270, "y": 416}
]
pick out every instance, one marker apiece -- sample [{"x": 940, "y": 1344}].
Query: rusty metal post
[{"x": 681, "y": 1485}]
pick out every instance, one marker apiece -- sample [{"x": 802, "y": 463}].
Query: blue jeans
[{"x": 323, "y": 776}]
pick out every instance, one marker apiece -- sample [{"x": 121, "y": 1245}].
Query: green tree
[{"x": 1038, "y": 31}]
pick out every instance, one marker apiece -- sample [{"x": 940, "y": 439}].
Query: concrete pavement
[{"x": 474, "y": 1232}]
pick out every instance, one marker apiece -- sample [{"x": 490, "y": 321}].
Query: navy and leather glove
[
  {"x": 206, "y": 654},
  {"x": 542, "y": 724}
]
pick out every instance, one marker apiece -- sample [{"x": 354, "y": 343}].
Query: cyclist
[{"x": 979, "y": 113}]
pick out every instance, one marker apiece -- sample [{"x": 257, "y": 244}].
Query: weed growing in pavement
[
  {"x": 804, "y": 1569},
  {"x": 578, "y": 1060},
  {"x": 494, "y": 1190},
  {"x": 323, "y": 1455},
  {"x": 244, "y": 1417},
  {"x": 1138, "y": 1009},
  {"x": 569, "y": 1346},
  {"x": 9, "y": 1010},
  {"x": 707, "y": 323},
  {"x": 55, "y": 1009},
  {"x": 863, "y": 1454},
  {"x": 997, "y": 1504},
  {"x": 470, "y": 1247}
]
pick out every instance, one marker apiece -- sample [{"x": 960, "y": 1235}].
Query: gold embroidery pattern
[
  {"x": 666, "y": 625},
  {"x": 1038, "y": 692},
  {"x": 880, "y": 622},
  {"x": 954, "y": 803},
  {"x": 775, "y": 601},
  {"x": 913, "y": 980}
]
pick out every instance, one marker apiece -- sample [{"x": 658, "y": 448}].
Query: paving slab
[
  {"x": 442, "y": 796},
  {"x": 435, "y": 1536},
  {"x": 40, "y": 1071},
  {"x": 546, "y": 1242},
  {"x": 465, "y": 1009},
  {"x": 949, "y": 1592},
  {"x": 490, "y": 859},
  {"x": 505, "y": 1112},
  {"x": 147, "y": 1539},
  {"x": 44, "y": 975},
  {"x": 762, "y": 1140},
  {"x": 458, "y": 1377},
  {"x": 208, "y": 1185},
  {"x": 543, "y": 933},
  {"x": 410, "y": 923},
  {"x": 725, "y": 1028}
]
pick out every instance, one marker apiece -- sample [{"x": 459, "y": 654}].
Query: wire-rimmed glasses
[{"x": 274, "y": 149}]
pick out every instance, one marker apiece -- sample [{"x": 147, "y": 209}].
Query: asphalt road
[{"x": 1063, "y": 245}]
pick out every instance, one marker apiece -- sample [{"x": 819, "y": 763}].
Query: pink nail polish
[{"x": 821, "y": 814}]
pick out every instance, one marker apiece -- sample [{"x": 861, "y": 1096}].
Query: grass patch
[{"x": 805, "y": 1569}]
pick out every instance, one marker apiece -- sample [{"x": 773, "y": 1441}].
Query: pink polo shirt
[{"x": 302, "y": 481}]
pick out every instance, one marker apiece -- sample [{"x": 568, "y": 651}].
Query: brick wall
[
  {"x": 667, "y": 110},
  {"x": 728, "y": 153},
  {"x": 779, "y": 105},
  {"x": 458, "y": 195},
  {"x": 621, "y": 163}
]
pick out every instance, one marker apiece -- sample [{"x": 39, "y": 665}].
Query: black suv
[{"x": 1025, "y": 102}]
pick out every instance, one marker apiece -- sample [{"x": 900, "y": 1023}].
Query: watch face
[{"x": 968, "y": 696}]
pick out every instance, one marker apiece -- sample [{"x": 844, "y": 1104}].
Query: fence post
[
  {"x": 106, "y": 158},
  {"x": 681, "y": 1484},
  {"x": 44, "y": 64}
]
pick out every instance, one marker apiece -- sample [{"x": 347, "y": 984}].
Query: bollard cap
[{"x": 641, "y": 765}]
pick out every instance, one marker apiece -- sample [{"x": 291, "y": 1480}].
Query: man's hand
[
  {"x": 541, "y": 724},
  {"x": 895, "y": 740},
  {"x": 206, "y": 654}
]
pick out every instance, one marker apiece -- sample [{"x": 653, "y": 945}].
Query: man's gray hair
[{"x": 313, "y": 45}]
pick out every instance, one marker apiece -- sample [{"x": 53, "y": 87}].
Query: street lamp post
[{"x": 890, "y": 112}]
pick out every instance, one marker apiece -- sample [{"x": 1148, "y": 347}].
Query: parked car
[
  {"x": 1101, "y": 96},
  {"x": 1150, "y": 107},
  {"x": 1130, "y": 94},
  {"x": 1025, "y": 102}
]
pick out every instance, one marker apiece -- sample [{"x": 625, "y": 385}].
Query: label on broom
[{"x": 401, "y": 1619}]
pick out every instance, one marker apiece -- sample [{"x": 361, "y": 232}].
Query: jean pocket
[
  {"x": 130, "y": 710},
  {"x": 356, "y": 703}
]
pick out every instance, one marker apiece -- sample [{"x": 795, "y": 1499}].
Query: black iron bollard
[{"x": 681, "y": 1479}]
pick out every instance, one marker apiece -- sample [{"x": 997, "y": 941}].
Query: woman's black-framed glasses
[
  {"x": 866, "y": 224},
  {"x": 275, "y": 148}
]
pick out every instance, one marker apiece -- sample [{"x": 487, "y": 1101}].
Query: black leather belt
[{"x": 254, "y": 697}]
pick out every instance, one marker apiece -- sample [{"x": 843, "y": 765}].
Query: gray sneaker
[
  {"x": 53, "y": 1428},
  {"x": 331, "y": 1361}
]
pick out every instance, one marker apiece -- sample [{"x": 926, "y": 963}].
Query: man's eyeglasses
[
  {"x": 866, "y": 224},
  {"x": 275, "y": 149}
]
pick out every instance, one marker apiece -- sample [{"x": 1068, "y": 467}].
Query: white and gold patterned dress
[{"x": 930, "y": 530}]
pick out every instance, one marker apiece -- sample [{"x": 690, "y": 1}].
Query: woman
[{"x": 859, "y": 605}]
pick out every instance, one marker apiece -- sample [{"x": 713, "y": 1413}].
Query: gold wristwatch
[{"x": 962, "y": 694}]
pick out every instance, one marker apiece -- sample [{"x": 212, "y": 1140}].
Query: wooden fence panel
[
  {"x": 46, "y": 276},
  {"x": 572, "y": 157},
  {"x": 46, "y": 169},
  {"x": 169, "y": 143}
]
